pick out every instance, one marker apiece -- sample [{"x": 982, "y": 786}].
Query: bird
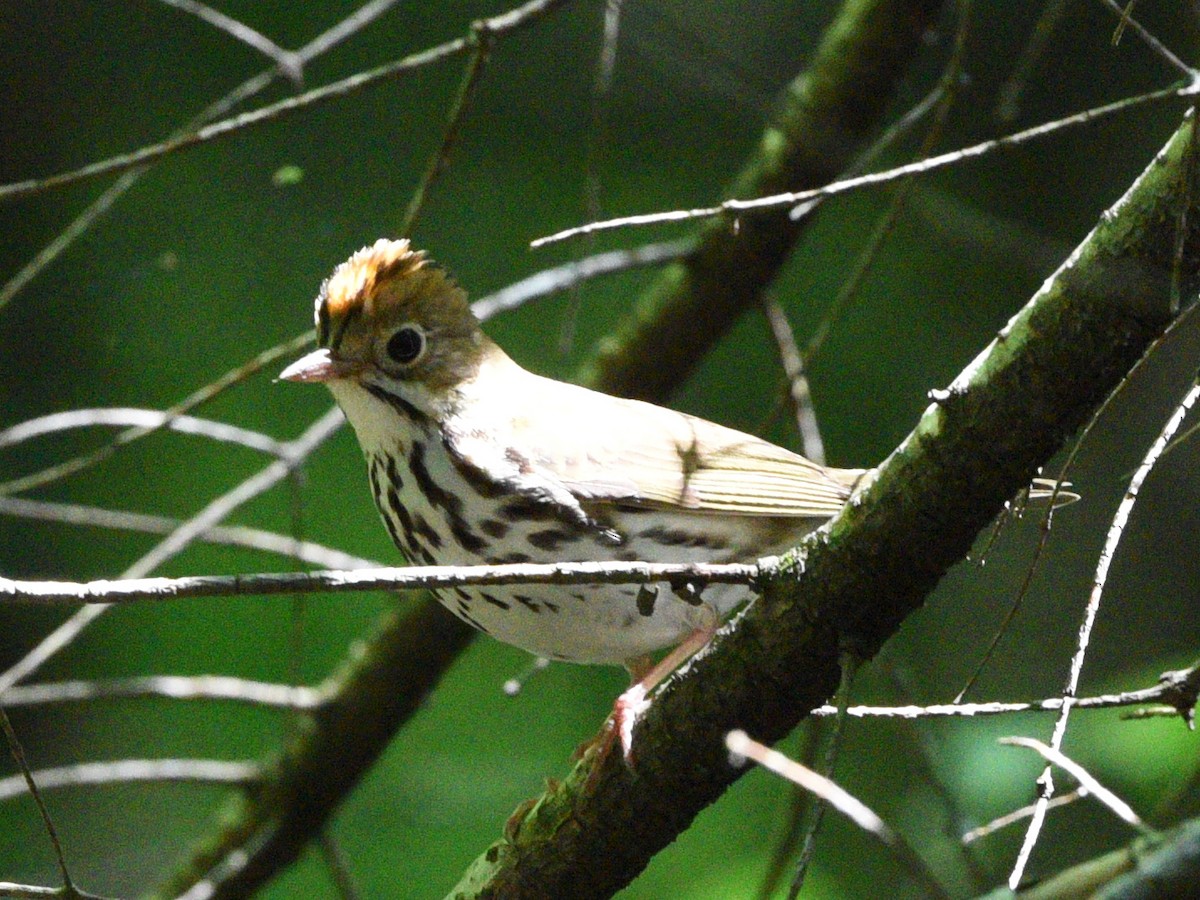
[{"x": 472, "y": 459}]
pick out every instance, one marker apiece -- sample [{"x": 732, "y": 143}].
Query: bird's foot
[{"x": 626, "y": 711}]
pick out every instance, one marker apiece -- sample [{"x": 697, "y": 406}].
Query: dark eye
[{"x": 406, "y": 344}]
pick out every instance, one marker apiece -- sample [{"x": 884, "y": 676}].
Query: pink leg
[{"x": 635, "y": 701}]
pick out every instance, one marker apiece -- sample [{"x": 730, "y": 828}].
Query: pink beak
[{"x": 318, "y": 366}]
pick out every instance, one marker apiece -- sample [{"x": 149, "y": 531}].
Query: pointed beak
[{"x": 318, "y": 366}]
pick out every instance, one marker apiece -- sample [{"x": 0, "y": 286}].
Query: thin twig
[
  {"x": 1119, "y": 807},
  {"x": 841, "y": 800},
  {"x": 938, "y": 102},
  {"x": 171, "y": 687},
  {"x": 27, "y": 781},
  {"x": 198, "y": 397},
  {"x": 1018, "y": 814},
  {"x": 382, "y": 579},
  {"x": 289, "y": 63},
  {"x": 1160, "y": 693},
  {"x": 898, "y": 129},
  {"x": 339, "y": 869},
  {"x": 1061, "y": 485},
  {"x": 482, "y": 39},
  {"x": 216, "y": 511},
  {"x": 213, "y": 513},
  {"x": 785, "y": 850},
  {"x": 364, "y": 15},
  {"x": 142, "y": 419},
  {"x": 125, "y": 771},
  {"x": 509, "y": 21},
  {"x": 932, "y": 164},
  {"x": 1008, "y": 104},
  {"x": 799, "y": 392},
  {"x": 890, "y": 137},
  {"x": 9, "y": 889},
  {"x": 833, "y": 745},
  {"x": 594, "y": 151},
  {"x": 1127, "y": 21},
  {"x": 347, "y": 27},
  {"x": 229, "y": 535},
  {"x": 931, "y": 762},
  {"x": 1112, "y": 541},
  {"x": 566, "y": 276},
  {"x": 1119, "y": 31},
  {"x": 1191, "y": 164}
]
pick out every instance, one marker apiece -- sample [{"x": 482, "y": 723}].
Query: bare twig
[
  {"x": 231, "y": 535},
  {"x": 364, "y": 15},
  {"x": 1086, "y": 780},
  {"x": 1128, "y": 21},
  {"x": 339, "y": 869},
  {"x": 173, "y": 687},
  {"x": 213, "y": 513},
  {"x": 390, "y": 579},
  {"x": 296, "y": 451},
  {"x": 931, "y": 767},
  {"x": 833, "y": 745},
  {"x": 1187, "y": 181},
  {"x": 932, "y": 164},
  {"x": 1009, "y": 102},
  {"x": 198, "y": 397},
  {"x": 141, "y": 419},
  {"x": 561, "y": 278},
  {"x": 9, "y": 889},
  {"x": 522, "y": 15},
  {"x": 28, "y": 782},
  {"x": 1061, "y": 485},
  {"x": 740, "y": 744},
  {"x": 1171, "y": 690},
  {"x": 890, "y": 137},
  {"x": 938, "y": 102},
  {"x": 795, "y": 361},
  {"x": 1018, "y": 814},
  {"x": 602, "y": 81},
  {"x": 595, "y": 148},
  {"x": 1115, "y": 531},
  {"x": 352, "y": 24},
  {"x": 798, "y": 388},
  {"x": 290, "y": 64},
  {"x": 1119, "y": 31},
  {"x": 124, "y": 771},
  {"x": 481, "y": 39}
]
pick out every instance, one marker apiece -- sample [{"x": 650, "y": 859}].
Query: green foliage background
[{"x": 208, "y": 261}]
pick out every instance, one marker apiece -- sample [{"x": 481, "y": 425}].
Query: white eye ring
[{"x": 407, "y": 344}]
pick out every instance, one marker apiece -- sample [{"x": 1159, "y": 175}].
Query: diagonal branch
[{"x": 854, "y": 581}]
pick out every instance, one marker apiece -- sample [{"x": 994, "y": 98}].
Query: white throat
[{"x": 377, "y": 424}]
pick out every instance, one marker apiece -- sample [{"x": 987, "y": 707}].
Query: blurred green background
[{"x": 214, "y": 256}]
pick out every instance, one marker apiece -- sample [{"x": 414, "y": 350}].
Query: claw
[
  {"x": 633, "y": 703},
  {"x": 626, "y": 711}
]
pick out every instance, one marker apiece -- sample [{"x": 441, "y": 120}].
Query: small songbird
[{"x": 472, "y": 460}]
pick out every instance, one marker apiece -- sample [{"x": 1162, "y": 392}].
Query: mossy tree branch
[{"x": 851, "y": 584}]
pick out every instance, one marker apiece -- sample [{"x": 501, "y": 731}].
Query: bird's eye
[{"x": 406, "y": 344}]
